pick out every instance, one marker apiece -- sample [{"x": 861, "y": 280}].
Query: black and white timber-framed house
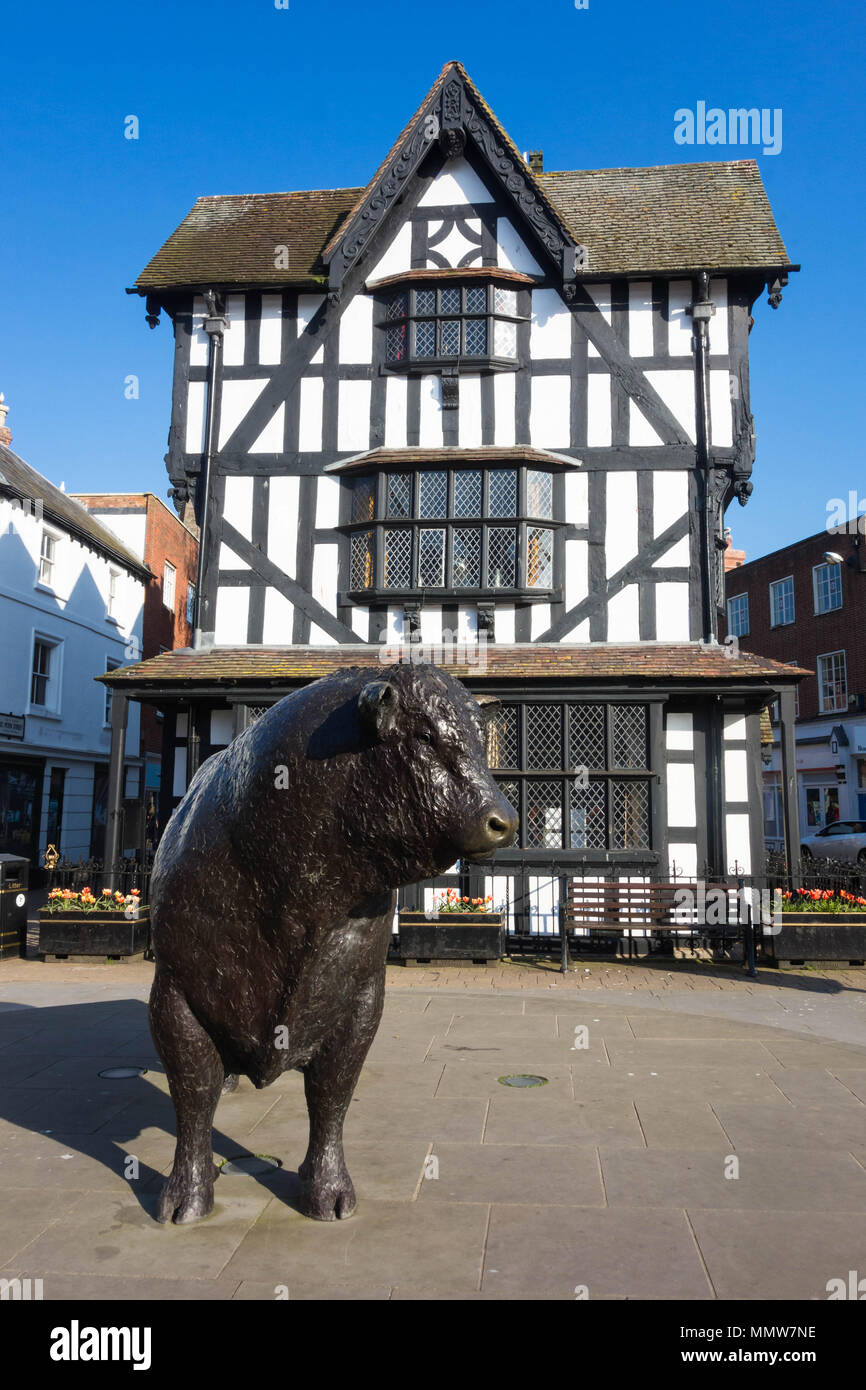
[{"x": 483, "y": 404}]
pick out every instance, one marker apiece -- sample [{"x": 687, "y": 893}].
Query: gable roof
[
  {"x": 19, "y": 480},
  {"x": 680, "y": 217}
]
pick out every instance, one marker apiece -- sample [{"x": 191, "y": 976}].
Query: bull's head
[{"x": 443, "y": 803}]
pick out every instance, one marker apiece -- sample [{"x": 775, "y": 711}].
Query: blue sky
[{"x": 243, "y": 97}]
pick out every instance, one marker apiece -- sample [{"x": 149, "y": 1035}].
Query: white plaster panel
[
  {"x": 232, "y": 616},
  {"x": 504, "y": 628},
  {"x": 181, "y": 728},
  {"x": 236, "y": 399},
  {"x": 431, "y": 624},
  {"x": 178, "y": 786},
  {"x": 719, "y": 321},
  {"x": 310, "y": 415},
  {"x": 327, "y": 503},
  {"x": 550, "y": 329},
  {"x": 504, "y": 395},
  {"x": 736, "y": 774},
  {"x": 195, "y": 417},
  {"x": 576, "y": 498},
  {"x": 320, "y": 638},
  {"x": 735, "y": 726},
  {"x": 395, "y": 625},
  {"x": 721, "y": 409},
  {"x": 683, "y": 859},
  {"x": 238, "y": 505},
  {"x": 467, "y": 624},
  {"x": 454, "y": 246},
  {"x": 682, "y": 809},
  {"x": 353, "y": 421},
  {"x": 271, "y": 329},
  {"x": 307, "y": 306},
  {"x": 356, "y": 330},
  {"x": 469, "y": 424},
  {"x": 228, "y": 560},
  {"x": 539, "y": 620},
  {"x": 620, "y": 538},
  {"x": 598, "y": 424},
  {"x": 430, "y": 425},
  {"x": 623, "y": 615},
  {"x": 672, "y": 612},
  {"x": 457, "y": 183},
  {"x": 738, "y": 842},
  {"x": 677, "y": 390},
  {"x": 679, "y": 322},
  {"x": 396, "y": 397},
  {"x": 676, "y": 554},
  {"x": 550, "y": 412},
  {"x": 579, "y": 633},
  {"x": 270, "y": 441},
  {"x": 601, "y": 295},
  {"x": 576, "y": 587},
  {"x": 670, "y": 499},
  {"x": 325, "y": 576},
  {"x": 513, "y": 253},
  {"x": 278, "y": 619},
  {"x": 360, "y": 620},
  {"x": 398, "y": 256},
  {"x": 198, "y": 338},
  {"x": 283, "y": 523},
  {"x": 640, "y": 318},
  {"x": 234, "y": 337},
  {"x": 680, "y": 730},
  {"x": 640, "y": 432}
]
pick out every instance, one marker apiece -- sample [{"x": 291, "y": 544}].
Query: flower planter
[
  {"x": 453, "y": 936},
  {"x": 806, "y": 937},
  {"x": 92, "y": 933}
]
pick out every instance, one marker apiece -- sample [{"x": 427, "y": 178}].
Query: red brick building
[
  {"x": 155, "y": 533},
  {"x": 806, "y": 604}
]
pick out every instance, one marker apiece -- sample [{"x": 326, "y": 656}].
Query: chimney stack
[
  {"x": 535, "y": 160},
  {"x": 5, "y": 432}
]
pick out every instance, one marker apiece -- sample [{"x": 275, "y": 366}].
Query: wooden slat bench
[{"x": 619, "y": 906}]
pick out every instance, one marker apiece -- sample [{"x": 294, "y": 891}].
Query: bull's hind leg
[
  {"x": 330, "y": 1078},
  {"x": 195, "y": 1077}
]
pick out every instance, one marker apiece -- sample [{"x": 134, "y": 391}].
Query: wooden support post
[
  {"x": 114, "y": 816},
  {"x": 790, "y": 799}
]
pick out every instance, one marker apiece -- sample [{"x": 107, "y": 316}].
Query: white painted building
[{"x": 71, "y": 602}]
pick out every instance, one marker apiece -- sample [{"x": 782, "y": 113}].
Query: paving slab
[
  {"x": 384, "y": 1242},
  {"x": 522, "y": 1117},
  {"x": 823, "y": 1127},
  {"x": 674, "y": 1124},
  {"x": 513, "y": 1173},
  {"x": 770, "y": 1179},
  {"x": 779, "y": 1255},
  {"x": 553, "y": 1251}
]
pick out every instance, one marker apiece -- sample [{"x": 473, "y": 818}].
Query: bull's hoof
[
  {"x": 327, "y": 1199},
  {"x": 230, "y": 1084},
  {"x": 185, "y": 1201}
]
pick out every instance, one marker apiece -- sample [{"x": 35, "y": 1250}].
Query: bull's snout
[{"x": 496, "y": 829}]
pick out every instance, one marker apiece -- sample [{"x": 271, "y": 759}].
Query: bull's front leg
[{"x": 330, "y": 1078}]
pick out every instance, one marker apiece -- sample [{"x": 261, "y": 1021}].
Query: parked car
[{"x": 844, "y": 839}]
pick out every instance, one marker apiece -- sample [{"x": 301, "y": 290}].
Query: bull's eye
[{"x": 423, "y": 737}]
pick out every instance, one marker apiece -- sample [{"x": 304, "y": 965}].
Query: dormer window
[{"x": 440, "y": 324}]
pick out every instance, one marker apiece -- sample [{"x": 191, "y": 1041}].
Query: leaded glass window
[
  {"x": 448, "y": 321},
  {"x": 501, "y": 550},
  {"x": 577, "y": 773}
]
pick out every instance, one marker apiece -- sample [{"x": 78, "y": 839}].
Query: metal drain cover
[
  {"x": 122, "y": 1073},
  {"x": 523, "y": 1080},
  {"x": 249, "y": 1165}
]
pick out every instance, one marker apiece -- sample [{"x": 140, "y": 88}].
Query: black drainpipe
[
  {"x": 702, "y": 310},
  {"x": 215, "y": 325}
]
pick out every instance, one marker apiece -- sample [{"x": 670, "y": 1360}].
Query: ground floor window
[
  {"x": 577, "y": 774},
  {"x": 822, "y": 806},
  {"x": 20, "y": 808}
]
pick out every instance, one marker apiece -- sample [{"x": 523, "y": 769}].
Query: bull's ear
[
  {"x": 489, "y": 706},
  {"x": 377, "y": 707}
]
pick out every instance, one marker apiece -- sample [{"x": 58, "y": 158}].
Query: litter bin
[{"x": 14, "y": 880}]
